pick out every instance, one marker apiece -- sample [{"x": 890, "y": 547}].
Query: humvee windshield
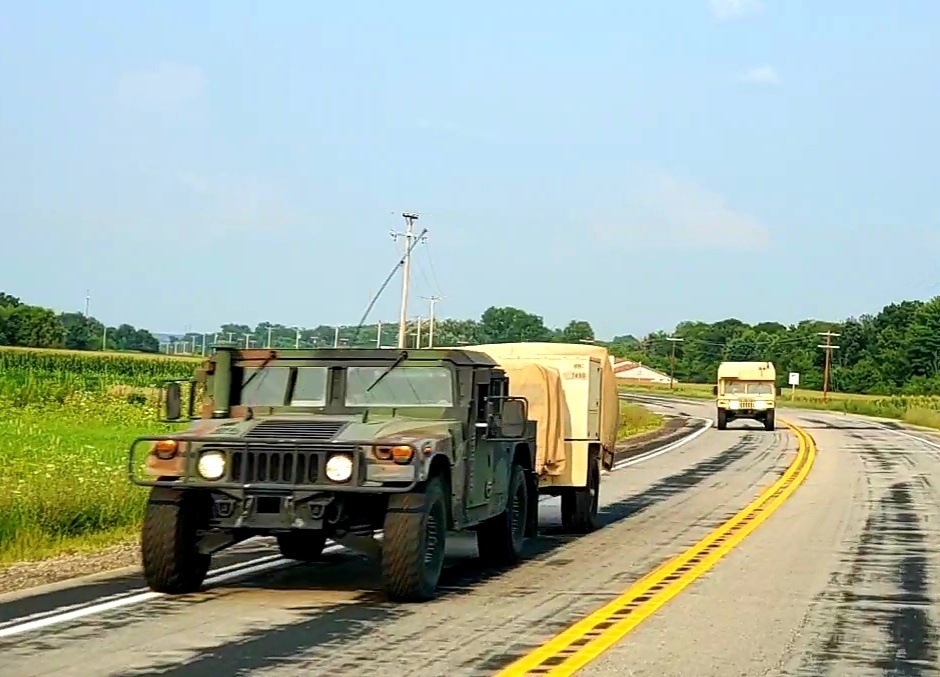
[
  {"x": 269, "y": 388},
  {"x": 404, "y": 386},
  {"x": 749, "y": 387}
]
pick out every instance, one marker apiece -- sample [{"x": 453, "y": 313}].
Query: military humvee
[{"x": 310, "y": 445}]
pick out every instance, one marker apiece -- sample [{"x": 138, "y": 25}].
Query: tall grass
[
  {"x": 66, "y": 422},
  {"x": 636, "y": 420}
]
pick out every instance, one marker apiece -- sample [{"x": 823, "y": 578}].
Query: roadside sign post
[{"x": 794, "y": 382}]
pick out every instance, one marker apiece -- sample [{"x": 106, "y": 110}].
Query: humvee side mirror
[
  {"x": 714, "y": 390},
  {"x": 174, "y": 401},
  {"x": 779, "y": 391},
  {"x": 513, "y": 421}
]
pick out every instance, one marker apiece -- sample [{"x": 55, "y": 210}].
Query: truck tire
[
  {"x": 579, "y": 506},
  {"x": 769, "y": 423},
  {"x": 722, "y": 419},
  {"x": 500, "y": 539},
  {"x": 170, "y": 556},
  {"x": 413, "y": 544},
  {"x": 304, "y": 546}
]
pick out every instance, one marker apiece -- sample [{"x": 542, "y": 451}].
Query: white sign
[{"x": 794, "y": 378}]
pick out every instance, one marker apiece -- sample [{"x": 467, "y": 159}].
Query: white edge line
[
  {"x": 626, "y": 463},
  {"x": 882, "y": 426},
  {"x": 221, "y": 576}
]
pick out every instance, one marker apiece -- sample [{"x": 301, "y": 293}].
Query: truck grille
[
  {"x": 747, "y": 404},
  {"x": 286, "y": 452}
]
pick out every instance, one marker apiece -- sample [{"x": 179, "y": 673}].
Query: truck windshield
[
  {"x": 749, "y": 388},
  {"x": 269, "y": 388},
  {"x": 404, "y": 386}
]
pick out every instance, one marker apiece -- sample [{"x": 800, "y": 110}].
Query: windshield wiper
[
  {"x": 398, "y": 360},
  {"x": 264, "y": 364}
]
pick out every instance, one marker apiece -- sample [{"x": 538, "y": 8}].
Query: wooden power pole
[{"x": 828, "y": 347}]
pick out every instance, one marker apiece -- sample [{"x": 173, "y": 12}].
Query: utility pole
[
  {"x": 336, "y": 337},
  {"x": 378, "y": 334},
  {"x": 672, "y": 361},
  {"x": 828, "y": 347},
  {"x": 104, "y": 337},
  {"x": 405, "y": 276},
  {"x": 297, "y": 338},
  {"x": 269, "y": 338},
  {"x": 87, "y": 301},
  {"x": 418, "y": 334},
  {"x": 432, "y": 301}
]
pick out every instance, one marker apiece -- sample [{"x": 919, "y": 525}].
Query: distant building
[{"x": 636, "y": 372}]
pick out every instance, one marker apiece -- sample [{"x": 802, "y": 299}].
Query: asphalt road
[{"x": 840, "y": 580}]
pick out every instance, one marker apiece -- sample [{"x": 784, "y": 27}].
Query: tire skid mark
[{"x": 880, "y": 603}]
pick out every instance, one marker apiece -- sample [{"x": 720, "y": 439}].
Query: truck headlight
[
  {"x": 339, "y": 468},
  {"x": 760, "y": 404},
  {"x": 211, "y": 465},
  {"x": 733, "y": 404}
]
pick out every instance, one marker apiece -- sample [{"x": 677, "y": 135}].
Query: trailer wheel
[
  {"x": 769, "y": 423},
  {"x": 304, "y": 546},
  {"x": 579, "y": 506},
  {"x": 169, "y": 541},
  {"x": 722, "y": 419},
  {"x": 500, "y": 539},
  {"x": 413, "y": 544}
]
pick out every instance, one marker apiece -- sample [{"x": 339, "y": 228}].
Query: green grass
[
  {"x": 68, "y": 420},
  {"x": 636, "y": 420},
  {"x": 916, "y": 410}
]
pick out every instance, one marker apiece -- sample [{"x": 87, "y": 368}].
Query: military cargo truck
[
  {"x": 572, "y": 393},
  {"x": 310, "y": 445},
  {"x": 746, "y": 390}
]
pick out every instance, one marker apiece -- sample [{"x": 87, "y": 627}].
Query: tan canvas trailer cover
[
  {"x": 541, "y": 386},
  {"x": 592, "y": 409}
]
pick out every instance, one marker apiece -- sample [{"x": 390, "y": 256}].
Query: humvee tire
[
  {"x": 171, "y": 560},
  {"x": 769, "y": 423},
  {"x": 413, "y": 543},
  {"x": 304, "y": 546},
  {"x": 579, "y": 506},
  {"x": 722, "y": 419},
  {"x": 500, "y": 539}
]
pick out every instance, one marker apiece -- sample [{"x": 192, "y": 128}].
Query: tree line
[{"x": 894, "y": 351}]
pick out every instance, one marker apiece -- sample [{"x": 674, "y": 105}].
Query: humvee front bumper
[{"x": 242, "y": 468}]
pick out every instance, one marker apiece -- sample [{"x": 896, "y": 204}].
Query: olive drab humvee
[{"x": 339, "y": 444}]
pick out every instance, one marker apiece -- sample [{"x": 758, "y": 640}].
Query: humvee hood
[{"x": 398, "y": 430}]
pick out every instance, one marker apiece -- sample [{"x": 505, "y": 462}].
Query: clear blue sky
[{"x": 631, "y": 164}]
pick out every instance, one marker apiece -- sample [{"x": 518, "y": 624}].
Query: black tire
[
  {"x": 722, "y": 419},
  {"x": 769, "y": 423},
  {"x": 171, "y": 561},
  {"x": 501, "y": 539},
  {"x": 414, "y": 541},
  {"x": 579, "y": 506},
  {"x": 304, "y": 546}
]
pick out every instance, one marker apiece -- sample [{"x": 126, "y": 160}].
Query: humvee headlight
[
  {"x": 211, "y": 465},
  {"x": 733, "y": 404},
  {"x": 339, "y": 468},
  {"x": 760, "y": 404}
]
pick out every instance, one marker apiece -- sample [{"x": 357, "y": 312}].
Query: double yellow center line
[{"x": 587, "y": 639}]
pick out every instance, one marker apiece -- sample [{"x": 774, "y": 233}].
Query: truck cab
[
  {"x": 339, "y": 444},
  {"x": 746, "y": 390}
]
